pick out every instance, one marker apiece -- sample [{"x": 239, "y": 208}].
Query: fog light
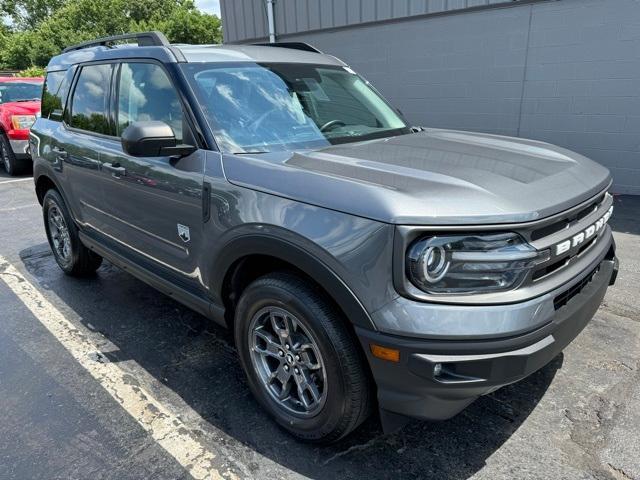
[{"x": 437, "y": 369}]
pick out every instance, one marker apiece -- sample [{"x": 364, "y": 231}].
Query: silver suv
[{"x": 361, "y": 263}]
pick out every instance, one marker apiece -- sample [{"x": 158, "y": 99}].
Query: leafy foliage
[
  {"x": 93, "y": 123},
  {"x": 32, "y": 72},
  {"x": 74, "y": 21},
  {"x": 26, "y": 13}
]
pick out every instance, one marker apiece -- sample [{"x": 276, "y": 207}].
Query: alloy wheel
[
  {"x": 5, "y": 158},
  {"x": 288, "y": 362},
  {"x": 59, "y": 234}
]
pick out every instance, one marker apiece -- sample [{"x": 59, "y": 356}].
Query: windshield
[
  {"x": 269, "y": 107},
  {"x": 20, "y": 91}
]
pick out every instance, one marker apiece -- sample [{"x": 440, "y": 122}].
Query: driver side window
[{"x": 145, "y": 93}]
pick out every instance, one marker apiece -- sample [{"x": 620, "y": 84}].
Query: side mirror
[{"x": 152, "y": 139}]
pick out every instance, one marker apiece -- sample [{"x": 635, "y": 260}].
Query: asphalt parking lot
[{"x": 578, "y": 418}]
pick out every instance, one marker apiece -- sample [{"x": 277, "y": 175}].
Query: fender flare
[
  {"x": 262, "y": 244},
  {"x": 40, "y": 171}
]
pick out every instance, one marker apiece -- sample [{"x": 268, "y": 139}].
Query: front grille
[
  {"x": 564, "y": 298},
  {"x": 546, "y": 270},
  {"x": 567, "y": 221},
  {"x": 573, "y": 222}
]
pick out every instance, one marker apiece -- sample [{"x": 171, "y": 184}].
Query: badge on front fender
[{"x": 183, "y": 233}]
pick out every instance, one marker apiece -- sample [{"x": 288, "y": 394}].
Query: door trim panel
[
  {"x": 154, "y": 276},
  {"x": 183, "y": 250}
]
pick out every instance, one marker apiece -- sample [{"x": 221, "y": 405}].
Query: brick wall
[
  {"x": 567, "y": 72},
  {"x": 582, "y": 87}
]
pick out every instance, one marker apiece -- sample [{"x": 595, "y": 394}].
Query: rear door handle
[
  {"x": 115, "y": 169},
  {"x": 60, "y": 156},
  {"x": 60, "y": 152}
]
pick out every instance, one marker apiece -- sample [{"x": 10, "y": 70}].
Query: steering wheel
[{"x": 331, "y": 124}]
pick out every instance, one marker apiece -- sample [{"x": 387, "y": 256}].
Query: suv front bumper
[{"x": 437, "y": 378}]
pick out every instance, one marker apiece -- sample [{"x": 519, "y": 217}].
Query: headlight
[
  {"x": 467, "y": 264},
  {"x": 22, "y": 122}
]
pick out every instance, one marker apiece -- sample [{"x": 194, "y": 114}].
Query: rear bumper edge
[{"x": 20, "y": 148}]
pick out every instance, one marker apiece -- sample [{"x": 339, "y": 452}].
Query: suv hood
[{"x": 435, "y": 177}]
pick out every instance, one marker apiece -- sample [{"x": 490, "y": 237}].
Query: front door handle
[{"x": 115, "y": 169}]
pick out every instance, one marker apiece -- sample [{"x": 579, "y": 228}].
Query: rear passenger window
[
  {"x": 146, "y": 93},
  {"x": 89, "y": 106},
  {"x": 55, "y": 90}
]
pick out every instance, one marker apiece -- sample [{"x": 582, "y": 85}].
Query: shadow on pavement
[
  {"x": 4, "y": 176},
  {"x": 625, "y": 217},
  {"x": 197, "y": 360}
]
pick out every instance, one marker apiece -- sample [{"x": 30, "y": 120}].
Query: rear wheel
[
  {"x": 11, "y": 164},
  {"x": 301, "y": 362},
  {"x": 71, "y": 255}
]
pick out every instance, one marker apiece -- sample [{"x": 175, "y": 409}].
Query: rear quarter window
[{"x": 56, "y": 87}]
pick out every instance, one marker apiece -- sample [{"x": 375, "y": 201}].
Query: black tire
[
  {"x": 347, "y": 401},
  {"x": 79, "y": 261},
  {"x": 11, "y": 164}
]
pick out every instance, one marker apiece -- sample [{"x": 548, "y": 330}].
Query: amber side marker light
[{"x": 385, "y": 353}]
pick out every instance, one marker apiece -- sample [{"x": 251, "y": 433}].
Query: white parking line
[
  {"x": 13, "y": 209},
  {"x": 165, "y": 427},
  {"x": 16, "y": 180}
]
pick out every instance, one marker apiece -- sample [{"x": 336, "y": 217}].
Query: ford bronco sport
[{"x": 361, "y": 263}]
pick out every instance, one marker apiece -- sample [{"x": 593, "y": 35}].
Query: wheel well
[
  {"x": 244, "y": 271},
  {"x": 251, "y": 267},
  {"x": 43, "y": 185}
]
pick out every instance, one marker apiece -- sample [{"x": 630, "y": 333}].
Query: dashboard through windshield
[{"x": 257, "y": 108}]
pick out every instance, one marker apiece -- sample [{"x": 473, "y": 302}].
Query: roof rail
[
  {"x": 144, "y": 39},
  {"x": 294, "y": 45}
]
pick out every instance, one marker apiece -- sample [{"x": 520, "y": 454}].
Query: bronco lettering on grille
[{"x": 586, "y": 234}]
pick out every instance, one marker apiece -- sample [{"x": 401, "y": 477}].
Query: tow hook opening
[{"x": 453, "y": 372}]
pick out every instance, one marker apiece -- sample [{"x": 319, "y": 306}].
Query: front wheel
[
  {"x": 71, "y": 255},
  {"x": 11, "y": 164},
  {"x": 301, "y": 362}
]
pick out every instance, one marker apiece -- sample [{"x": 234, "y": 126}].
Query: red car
[{"x": 19, "y": 106}]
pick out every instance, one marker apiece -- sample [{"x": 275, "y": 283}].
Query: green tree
[
  {"x": 79, "y": 20},
  {"x": 188, "y": 25},
  {"x": 15, "y": 51},
  {"x": 4, "y": 36},
  {"x": 28, "y": 13}
]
